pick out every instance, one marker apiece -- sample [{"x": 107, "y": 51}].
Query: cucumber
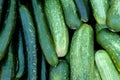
[
  {"x": 105, "y": 66},
  {"x": 113, "y": 17},
  {"x": 7, "y": 69},
  {"x": 82, "y": 54},
  {"x": 60, "y": 72},
  {"x": 70, "y": 14},
  {"x": 7, "y": 29},
  {"x": 45, "y": 39},
  {"x": 57, "y": 26},
  {"x": 30, "y": 42},
  {"x": 96, "y": 74},
  {"x": 99, "y": 27},
  {"x": 111, "y": 43},
  {"x": 21, "y": 57},
  {"x": 100, "y": 8},
  {"x": 82, "y": 9},
  {"x": 1, "y": 7}
]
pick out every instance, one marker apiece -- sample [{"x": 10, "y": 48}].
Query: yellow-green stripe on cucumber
[
  {"x": 100, "y": 8},
  {"x": 70, "y": 14},
  {"x": 105, "y": 66},
  {"x": 57, "y": 26},
  {"x": 111, "y": 43},
  {"x": 82, "y": 54}
]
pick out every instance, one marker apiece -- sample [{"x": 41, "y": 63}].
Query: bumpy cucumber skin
[
  {"x": 70, "y": 14},
  {"x": 21, "y": 57},
  {"x": 105, "y": 66},
  {"x": 60, "y": 72},
  {"x": 30, "y": 42},
  {"x": 57, "y": 26},
  {"x": 7, "y": 69},
  {"x": 96, "y": 74},
  {"x": 82, "y": 54},
  {"x": 8, "y": 29},
  {"x": 113, "y": 17},
  {"x": 111, "y": 43},
  {"x": 45, "y": 39},
  {"x": 100, "y": 8}
]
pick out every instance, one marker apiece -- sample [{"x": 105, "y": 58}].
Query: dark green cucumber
[
  {"x": 8, "y": 29},
  {"x": 43, "y": 69},
  {"x": 1, "y": 7},
  {"x": 30, "y": 42},
  {"x": 96, "y": 74},
  {"x": 82, "y": 54},
  {"x": 113, "y": 17},
  {"x": 111, "y": 43},
  {"x": 7, "y": 69},
  {"x": 100, "y": 8},
  {"x": 105, "y": 66},
  {"x": 57, "y": 26},
  {"x": 45, "y": 39},
  {"x": 60, "y": 72},
  {"x": 21, "y": 57},
  {"x": 82, "y": 10},
  {"x": 70, "y": 14}
]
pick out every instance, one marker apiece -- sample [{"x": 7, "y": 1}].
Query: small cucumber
[
  {"x": 82, "y": 9},
  {"x": 100, "y": 8},
  {"x": 60, "y": 72},
  {"x": 45, "y": 39},
  {"x": 1, "y": 7},
  {"x": 105, "y": 66},
  {"x": 96, "y": 74},
  {"x": 8, "y": 29},
  {"x": 70, "y": 14},
  {"x": 7, "y": 69},
  {"x": 21, "y": 57},
  {"x": 111, "y": 43},
  {"x": 57, "y": 26},
  {"x": 30, "y": 42},
  {"x": 113, "y": 17},
  {"x": 82, "y": 54}
]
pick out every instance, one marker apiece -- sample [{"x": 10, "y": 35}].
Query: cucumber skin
[
  {"x": 96, "y": 74},
  {"x": 82, "y": 54},
  {"x": 45, "y": 39},
  {"x": 70, "y": 14},
  {"x": 8, "y": 29},
  {"x": 100, "y": 8},
  {"x": 111, "y": 43},
  {"x": 113, "y": 17},
  {"x": 30, "y": 42},
  {"x": 57, "y": 26},
  {"x": 60, "y": 72},
  {"x": 105, "y": 66}
]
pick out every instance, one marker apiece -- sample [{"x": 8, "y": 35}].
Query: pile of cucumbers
[{"x": 59, "y": 39}]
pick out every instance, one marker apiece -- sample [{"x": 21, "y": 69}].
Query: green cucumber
[
  {"x": 1, "y": 7},
  {"x": 57, "y": 26},
  {"x": 105, "y": 66},
  {"x": 82, "y": 9},
  {"x": 21, "y": 57},
  {"x": 7, "y": 29},
  {"x": 45, "y": 39},
  {"x": 100, "y": 8},
  {"x": 70, "y": 14},
  {"x": 7, "y": 69},
  {"x": 30, "y": 42},
  {"x": 111, "y": 43},
  {"x": 60, "y": 72},
  {"x": 82, "y": 54},
  {"x": 113, "y": 17},
  {"x": 96, "y": 74}
]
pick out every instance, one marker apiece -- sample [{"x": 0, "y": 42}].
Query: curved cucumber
[
  {"x": 57, "y": 26},
  {"x": 100, "y": 8},
  {"x": 45, "y": 39},
  {"x": 7, "y": 69},
  {"x": 82, "y": 54},
  {"x": 105, "y": 66},
  {"x": 30, "y": 42},
  {"x": 70, "y": 14},
  {"x": 113, "y": 17},
  {"x": 60, "y": 72},
  {"x": 111, "y": 43},
  {"x": 8, "y": 29}
]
